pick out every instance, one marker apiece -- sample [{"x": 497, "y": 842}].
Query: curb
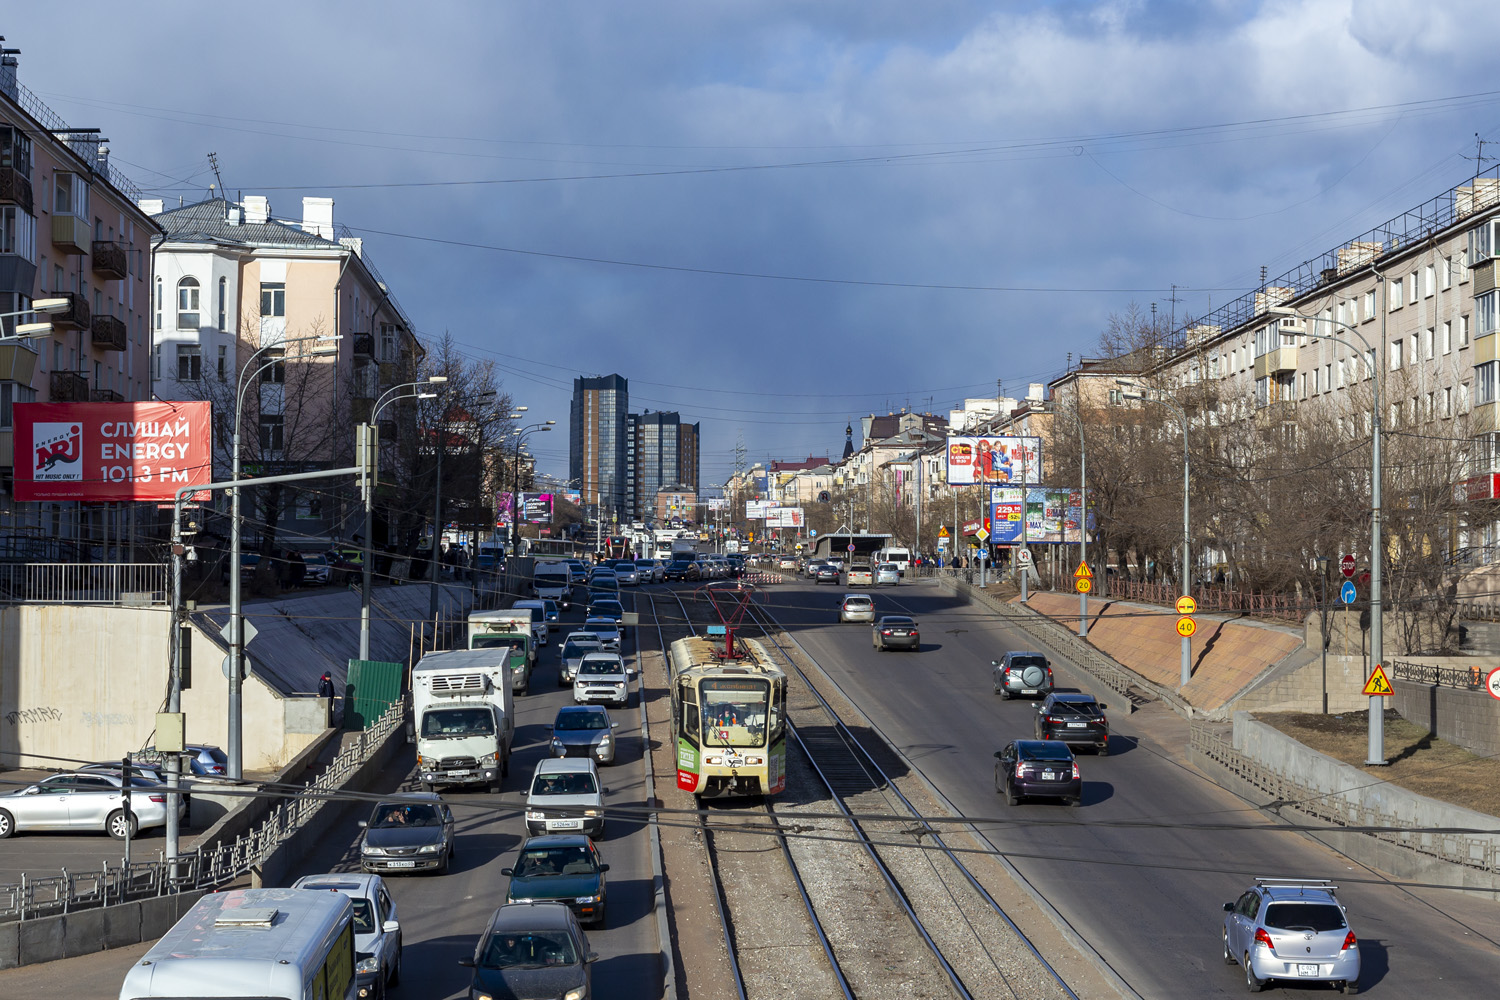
[{"x": 658, "y": 872}]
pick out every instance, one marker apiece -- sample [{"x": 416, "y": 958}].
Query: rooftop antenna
[
  {"x": 1174, "y": 300},
  {"x": 1479, "y": 158},
  {"x": 213, "y": 161}
]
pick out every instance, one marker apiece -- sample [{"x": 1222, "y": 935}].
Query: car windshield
[
  {"x": 608, "y": 608},
  {"x": 568, "y": 722},
  {"x": 364, "y": 916},
  {"x": 456, "y": 723},
  {"x": 532, "y": 950},
  {"x": 398, "y": 814},
  {"x": 583, "y": 637},
  {"x": 497, "y": 642},
  {"x": 216, "y": 755},
  {"x": 1046, "y": 751},
  {"x": 573, "y": 650},
  {"x": 573, "y": 860},
  {"x": 1304, "y": 916},
  {"x": 592, "y": 668},
  {"x": 857, "y": 602},
  {"x": 606, "y": 627},
  {"x": 568, "y": 783}
]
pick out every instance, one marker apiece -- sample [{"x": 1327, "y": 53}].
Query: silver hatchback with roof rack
[{"x": 1291, "y": 929}]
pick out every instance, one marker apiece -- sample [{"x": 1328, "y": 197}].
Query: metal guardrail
[
  {"x": 204, "y": 868},
  {"x": 1468, "y": 678},
  {"x": 1337, "y": 808},
  {"x": 82, "y": 583}
]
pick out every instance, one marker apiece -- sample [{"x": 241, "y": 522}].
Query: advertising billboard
[
  {"x": 757, "y": 509},
  {"x": 784, "y": 517},
  {"x": 1051, "y": 516},
  {"x": 536, "y": 508},
  {"x": 1016, "y": 460},
  {"x": 110, "y": 451},
  {"x": 504, "y": 507}
]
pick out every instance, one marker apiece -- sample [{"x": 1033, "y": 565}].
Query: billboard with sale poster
[
  {"x": 1013, "y": 460},
  {"x": 1052, "y": 516},
  {"x": 111, "y": 451}
]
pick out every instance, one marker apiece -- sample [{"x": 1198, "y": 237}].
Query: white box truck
[
  {"x": 465, "y": 718},
  {"x": 509, "y": 630},
  {"x": 553, "y": 581}
]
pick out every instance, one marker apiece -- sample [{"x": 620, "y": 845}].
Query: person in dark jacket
[{"x": 325, "y": 685}]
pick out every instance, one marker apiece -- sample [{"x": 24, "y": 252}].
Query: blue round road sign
[{"x": 1347, "y": 593}]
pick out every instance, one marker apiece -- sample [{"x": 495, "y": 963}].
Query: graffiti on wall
[{"x": 29, "y": 715}]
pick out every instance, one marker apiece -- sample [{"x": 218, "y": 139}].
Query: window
[
  {"x": 1428, "y": 339},
  {"x": 1328, "y": 377},
  {"x": 272, "y": 429},
  {"x": 273, "y": 369},
  {"x": 1369, "y": 305},
  {"x": 1463, "y": 397},
  {"x": 1316, "y": 373},
  {"x": 1445, "y": 273},
  {"x": 98, "y": 375},
  {"x": 1463, "y": 266},
  {"x": 70, "y": 195},
  {"x": 17, "y": 232},
  {"x": 1430, "y": 401},
  {"x": 10, "y": 394},
  {"x": 158, "y": 303},
  {"x": 1396, "y": 346},
  {"x": 187, "y": 304},
  {"x": 387, "y": 342},
  {"x": 223, "y": 303},
  {"x": 189, "y": 363},
  {"x": 1447, "y": 402},
  {"x": 1343, "y": 312},
  {"x": 1370, "y": 364},
  {"x": 1411, "y": 288},
  {"x": 1447, "y": 336},
  {"x": 1213, "y": 366},
  {"x": 1302, "y": 385},
  {"x": 15, "y": 151},
  {"x": 223, "y": 362},
  {"x": 272, "y": 298},
  {"x": 1481, "y": 242},
  {"x": 1395, "y": 300},
  {"x": 1429, "y": 281},
  {"x": 1463, "y": 331},
  {"x": 1340, "y": 382},
  {"x": 1484, "y": 382}
]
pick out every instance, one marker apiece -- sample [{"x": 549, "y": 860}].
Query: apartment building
[
  {"x": 664, "y": 453},
  {"x": 600, "y": 445},
  {"x": 301, "y": 307},
  {"x": 69, "y": 228}
]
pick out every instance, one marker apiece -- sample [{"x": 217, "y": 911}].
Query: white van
[
  {"x": 293, "y": 944},
  {"x": 900, "y": 556}
]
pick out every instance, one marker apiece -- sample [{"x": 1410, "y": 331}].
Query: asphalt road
[
  {"x": 1147, "y": 898},
  {"x": 442, "y": 916}
]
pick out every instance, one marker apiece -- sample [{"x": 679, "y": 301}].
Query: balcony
[
  {"x": 17, "y": 362},
  {"x": 364, "y": 345},
  {"x": 69, "y": 387},
  {"x": 105, "y": 396},
  {"x": 111, "y": 260},
  {"x": 72, "y": 235},
  {"x": 1282, "y": 359},
  {"x": 76, "y": 317},
  {"x": 109, "y": 333},
  {"x": 15, "y": 188}
]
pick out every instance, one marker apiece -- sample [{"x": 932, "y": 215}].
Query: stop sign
[{"x": 1346, "y": 566}]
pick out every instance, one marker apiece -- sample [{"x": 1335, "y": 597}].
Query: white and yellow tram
[{"x": 729, "y": 718}]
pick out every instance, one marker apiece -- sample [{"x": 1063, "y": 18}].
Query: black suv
[
  {"x": 682, "y": 569},
  {"x": 1075, "y": 719}
]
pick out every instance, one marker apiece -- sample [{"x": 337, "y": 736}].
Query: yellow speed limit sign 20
[
  {"x": 1186, "y": 626},
  {"x": 1186, "y": 605},
  {"x": 1083, "y": 584}
]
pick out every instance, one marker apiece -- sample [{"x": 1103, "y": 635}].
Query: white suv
[
  {"x": 565, "y": 797},
  {"x": 602, "y": 677},
  {"x": 377, "y": 928}
]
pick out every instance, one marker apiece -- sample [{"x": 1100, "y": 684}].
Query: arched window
[
  {"x": 223, "y": 294},
  {"x": 187, "y": 304}
]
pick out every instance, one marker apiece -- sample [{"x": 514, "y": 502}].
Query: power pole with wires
[{"x": 213, "y": 161}]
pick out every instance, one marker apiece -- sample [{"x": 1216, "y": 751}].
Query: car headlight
[
  {"x": 587, "y": 899},
  {"x": 577, "y": 994},
  {"x": 481, "y": 995},
  {"x": 593, "y": 812},
  {"x": 378, "y": 852},
  {"x": 429, "y": 848},
  {"x": 489, "y": 760},
  {"x": 371, "y": 964},
  {"x": 558, "y": 749},
  {"x": 535, "y": 815}
]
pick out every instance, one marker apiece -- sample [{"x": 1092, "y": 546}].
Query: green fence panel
[{"x": 374, "y": 685}]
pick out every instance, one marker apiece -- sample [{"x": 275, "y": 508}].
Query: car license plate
[
  {"x": 1028, "y": 690},
  {"x": 565, "y": 824},
  {"x": 1048, "y": 775},
  {"x": 459, "y": 774},
  {"x": 403, "y": 864},
  {"x": 1307, "y": 970},
  {"x": 1077, "y": 725}
]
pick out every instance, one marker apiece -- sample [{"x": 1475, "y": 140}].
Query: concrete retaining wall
[
  {"x": 1470, "y": 719},
  {"x": 83, "y": 932},
  {"x": 1301, "y": 689}
]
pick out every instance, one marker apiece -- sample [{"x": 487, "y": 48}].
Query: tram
[
  {"x": 730, "y": 719},
  {"x": 552, "y": 548}
]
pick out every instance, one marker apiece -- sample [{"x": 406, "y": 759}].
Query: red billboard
[{"x": 110, "y": 451}]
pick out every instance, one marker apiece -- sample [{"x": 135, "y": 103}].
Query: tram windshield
[{"x": 735, "y": 711}]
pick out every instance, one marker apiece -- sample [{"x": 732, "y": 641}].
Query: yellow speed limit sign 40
[
  {"x": 1083, "y": 585},
  {"x": 1186, "y": 626},
  {"x": 1186, "y": 605}
]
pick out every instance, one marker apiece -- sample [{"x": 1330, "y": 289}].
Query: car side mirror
[
  {"x": 363, "y": 824},
  {"x": 507, "y": 871},
  {"x": 604, "y": 868},
  {"x": 391, "y": 926},
  {"x": 606, "y": 791},
  {"x": 999, "y": 754},
  {"x": 467, "y": 963},
  {"x": 34, "y": 789},
  {"x": 591, "y": 958},
  {"x": 632, "y": 672},
  {"x": 1228, "y": 907},
  {"x": 614, "y": 725},
  {"x": 1102, "y": 706},
  {"x": 994, "y": 663}
]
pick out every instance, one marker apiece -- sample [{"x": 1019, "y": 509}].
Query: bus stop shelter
[{"x": 837, "y": 545}]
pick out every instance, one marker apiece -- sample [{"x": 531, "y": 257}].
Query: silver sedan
[{"x": 84, "y": 801}]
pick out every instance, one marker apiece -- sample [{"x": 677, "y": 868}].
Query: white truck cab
[{"x": 465, "y": 715}]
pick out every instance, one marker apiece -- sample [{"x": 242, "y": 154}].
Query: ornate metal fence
[
  {"x": 1278, "y": 607},
  {"x": 208, "y": 866},
  {"x": 1469, "y": 678}
]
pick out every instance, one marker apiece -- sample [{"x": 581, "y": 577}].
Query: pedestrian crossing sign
[{"x": 1379, "y": 685}]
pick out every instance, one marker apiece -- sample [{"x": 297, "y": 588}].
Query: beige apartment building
[
  {"x": 302, "y": 304},
  {"x": 69, "y": 228}
]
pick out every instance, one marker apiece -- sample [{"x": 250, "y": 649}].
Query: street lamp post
[
  {"x": 520, "y": 434},
  {"x": 1187, "y": 584},
  {"x": 367, "y": 559},
  {"x": 1083, "y": 511},
  {"x": 1375, "y": 747},
  {"x": 234, "y": 751}
]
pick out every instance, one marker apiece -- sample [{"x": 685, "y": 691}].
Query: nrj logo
[{"x": 58, "y": 448}]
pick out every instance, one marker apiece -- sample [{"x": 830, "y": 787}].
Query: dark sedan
[
  {"x": 826, "y": 573},
  {"x": 408, "y": 833},
  {"x": 1075, "y": 719},
  {"x": 682, "y": 569},
  {"x": 561, "y": 868},
  {"x": 584, "y": 731},
  {"x": 1038, "y": 769},
  {"x": 896, "y": 632},
  {"x": 532, "y": 950}
]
